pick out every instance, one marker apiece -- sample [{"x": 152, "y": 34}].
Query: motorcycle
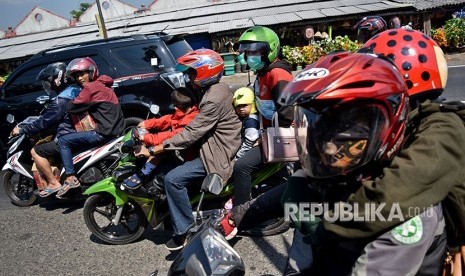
[
  {"x": 208, "y": 252},
  {"x": 120, "y": 216},
  {"x": 18, "y": 178}
]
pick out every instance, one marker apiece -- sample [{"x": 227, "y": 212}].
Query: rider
[
  {"x": 165, "y": 127},
  {"x": 261, "y": 47},
  {"x": 55, "y": 83},
  {"x": 427, "y": 170},
  {"x": 369, "y": 26},
  {"x": 98, "y": 100},
  {"x": 217, "y": 127}
]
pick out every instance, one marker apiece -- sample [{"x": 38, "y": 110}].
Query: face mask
[{"x": 255, "y": 62}]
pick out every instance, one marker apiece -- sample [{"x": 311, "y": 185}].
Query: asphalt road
[{"x": 51, "y": 238}]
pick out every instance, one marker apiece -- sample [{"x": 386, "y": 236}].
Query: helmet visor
[
  {"x": 338, "y": 140},
  {"x": 261, "y": 48},
  {"x": 47, "y": 87}
]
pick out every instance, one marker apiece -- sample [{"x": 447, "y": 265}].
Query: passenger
[
  {"x": 60, "y": 88},
  {"x": 98, "y": 106},
  {"x": 217, "y": 127},
  {"x": 260, "y": 46},
  {"x": 164, "y": 128},
  {"x": 244, "y": 102}
]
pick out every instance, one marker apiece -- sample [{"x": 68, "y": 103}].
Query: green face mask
[{"x": 255, "y": 62}]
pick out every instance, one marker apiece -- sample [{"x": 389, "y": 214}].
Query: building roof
[
  {"x": 207, "y": 16},
  {"x": 40, "y": 20},
  {"x": 111, "y": 9}
]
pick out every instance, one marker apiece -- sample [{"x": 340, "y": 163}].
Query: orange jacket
[{"x": 167, "y": 126}]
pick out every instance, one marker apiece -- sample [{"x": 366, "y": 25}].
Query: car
[
  {"x": 459, "y": 14},
  {"x": 137, "y": 64}
]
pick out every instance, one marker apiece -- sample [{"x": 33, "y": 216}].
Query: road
[{"x": 51, "y": 238}]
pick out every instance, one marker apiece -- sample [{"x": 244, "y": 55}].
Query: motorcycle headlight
[{"x": 220, "y": 254}]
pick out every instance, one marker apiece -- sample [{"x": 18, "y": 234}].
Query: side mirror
[
  {"x": 43, "y": 99},
  {"x": 154, "y": 109},
  {"x": 213, "y": 183},
  {"x": 10, "y": 118}
]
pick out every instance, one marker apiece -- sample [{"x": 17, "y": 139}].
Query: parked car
[
  {"x": 136, "y": 63},
  {"x": 459, "y": 14}
]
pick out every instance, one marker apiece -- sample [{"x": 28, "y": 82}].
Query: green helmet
[{"x": 263, "y": 39}]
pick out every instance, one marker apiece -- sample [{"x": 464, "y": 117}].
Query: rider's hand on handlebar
[{"x": 15, "y": 131}]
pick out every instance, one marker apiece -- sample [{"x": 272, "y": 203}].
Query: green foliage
[
  {"x": 82, "y": 8},
  {"x": 311, "y": 53},
  {"x": 455, "y": 32}
]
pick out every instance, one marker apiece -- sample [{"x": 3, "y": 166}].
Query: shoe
[
  {"x": 134, "y": 181},
  {"x": 48, "y": 191},
  {"x": 226, "y": 226},
  {"x": 68, "y": 186},
  {"x": 177, "y": 242}
]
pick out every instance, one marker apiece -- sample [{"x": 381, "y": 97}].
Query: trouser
[
  {"x": 244, "y": 167},
  {"x": 77, "y": 141},
  {"x": 256, "y": 211},
  {"x": 179, "y": 205}
]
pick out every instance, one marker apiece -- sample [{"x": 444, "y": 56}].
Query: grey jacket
[{"x": 217, "y": 127}]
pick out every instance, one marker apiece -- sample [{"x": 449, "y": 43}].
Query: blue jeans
[
  {"x": 77, "y": 141},
  {"x": 176, "y": 192}
]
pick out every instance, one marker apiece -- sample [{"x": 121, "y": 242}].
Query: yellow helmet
[{"x": 244, "y": 95}]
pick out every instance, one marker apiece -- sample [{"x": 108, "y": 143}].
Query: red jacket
[{"x": 167, "y": 126}]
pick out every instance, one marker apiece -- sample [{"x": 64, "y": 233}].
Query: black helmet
[
  {"x": 53, "y": 77},
  {"x": 369, "y": 26}
]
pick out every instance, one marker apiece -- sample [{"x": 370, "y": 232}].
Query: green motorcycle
[{"x": 120, "y": 216}]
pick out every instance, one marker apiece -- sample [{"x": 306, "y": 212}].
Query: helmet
[
  {"x": 207, "y": 63},
  {"x": 245, "y": 95},
  {"x": 351, "y": 109},
  {"x": 83, "y": 64},
  {"x": 417, "y": 56},
  {"x": 394, "y": 23},
  {"x": 369, "y": 26},
  {"x": 53, "y": 77},
  {"x": 261, "y": 39}
]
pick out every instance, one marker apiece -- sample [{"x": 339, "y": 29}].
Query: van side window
[
  {"x": 25, "y": 83},
  {"x": 138, "y": 57}
]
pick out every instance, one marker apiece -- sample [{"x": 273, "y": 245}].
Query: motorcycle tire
[
  {"x": 100, "y": 209},
  {"x": 19, "y": 188}
]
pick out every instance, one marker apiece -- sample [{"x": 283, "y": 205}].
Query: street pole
[{"x": 102, "y": 27}]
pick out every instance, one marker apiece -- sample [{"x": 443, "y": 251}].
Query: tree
[{"x": 83, "y": 7}]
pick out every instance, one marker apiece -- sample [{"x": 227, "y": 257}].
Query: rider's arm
[
  {"x": 251, "y": 135},
  {"x": 207, "y": 119},
  {"x": 421, "y": 175},
  {"x": 54, "y": 113}
]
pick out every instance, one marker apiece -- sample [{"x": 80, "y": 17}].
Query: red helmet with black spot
[
  {"x": 417, "y": 56},
  {"x": 350, "y": 109}
]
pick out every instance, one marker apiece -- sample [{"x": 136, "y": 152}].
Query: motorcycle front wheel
[
  {"x": 100, "y": 210},
  {"x": 19, "y": 188}
]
